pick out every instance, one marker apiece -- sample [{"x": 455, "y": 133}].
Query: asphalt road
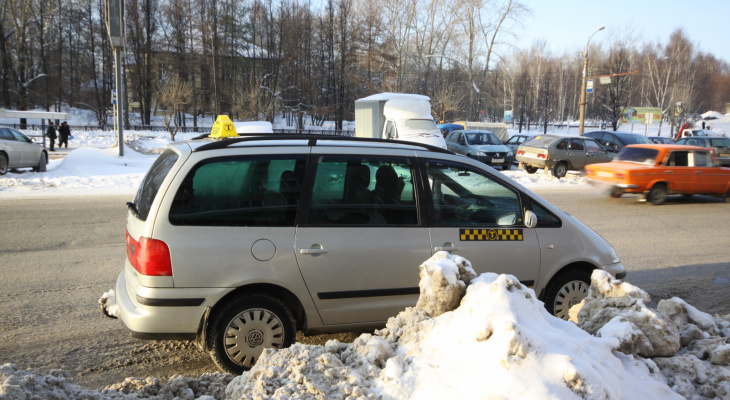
[{"x": 58, "y": 255}]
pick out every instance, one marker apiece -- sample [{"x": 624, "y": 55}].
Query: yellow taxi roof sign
[{"x": 223, "y": 127}]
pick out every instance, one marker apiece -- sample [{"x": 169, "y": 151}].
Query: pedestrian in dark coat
[
  {"x": 51, "y": 134},
  {"x": 63, "y": 133}
]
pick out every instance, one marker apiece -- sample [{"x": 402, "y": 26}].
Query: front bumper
[
  {"x": 496, "y": 160},
  {"x": 617, "y": 270}
]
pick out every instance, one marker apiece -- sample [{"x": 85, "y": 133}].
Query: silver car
[
  {"x": 238, "y": 243},
  {"x": 484, "y": 146},
  {"x": 18, "y": 151},
  {"x": 560, "y": 153}
]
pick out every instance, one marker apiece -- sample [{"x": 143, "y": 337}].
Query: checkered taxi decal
[{"x": 498, "y": 235}]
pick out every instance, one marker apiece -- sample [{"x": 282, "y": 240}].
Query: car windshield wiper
[{"x": 133, "y": 207}]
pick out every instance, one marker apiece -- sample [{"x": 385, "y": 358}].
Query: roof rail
[{"x": 312, "y": 141}]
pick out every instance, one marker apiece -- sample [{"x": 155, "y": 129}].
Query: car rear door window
[
  {"x": 5, "y": 134},
  {"x": 151, "y": 183},
  {"x": 363, "y": 191}
]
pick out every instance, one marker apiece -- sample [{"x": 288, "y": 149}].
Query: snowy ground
[{"x": 498, "y": 343}]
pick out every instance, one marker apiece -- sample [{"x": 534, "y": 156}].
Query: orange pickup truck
[{"x": 658, "y": 170}]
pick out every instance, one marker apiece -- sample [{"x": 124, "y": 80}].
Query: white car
[
  {"x": 18, "y": 151},
  {"x": 240, "y": 242}
]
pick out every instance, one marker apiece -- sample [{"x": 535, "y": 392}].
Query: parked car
[
  {"x": 240, "y": 242},
  {"x": 719, "y": 145},
  {"x": 660, "y": 140},
  {"x": 18, "y": 151},
  {"x": 560, "y": 154},
  {"x": 615, "y": 141},
  {"x": 515, "y": 141},
  {"x": 658, "y": 170},
  {"x": 481, "y": 145}
]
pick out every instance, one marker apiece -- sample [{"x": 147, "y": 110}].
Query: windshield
[
  {"x": 421, "y": 124},
  {"x": 477, "y": 138},
  {"x": 638, "y": 155}
]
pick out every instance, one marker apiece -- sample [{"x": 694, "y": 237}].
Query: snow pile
[
  {"x": 690, "y": 347},
  {"x": 469, "y": 337},
  {"x": 16, "y": 384}
]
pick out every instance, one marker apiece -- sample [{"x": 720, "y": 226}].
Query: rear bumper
[
  {"x": 614, "y": 187},
  {"x": 162, "y": 313}
]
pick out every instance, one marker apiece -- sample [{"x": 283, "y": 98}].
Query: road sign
[
  {"x": 589, "y": 86},
  {"x": 114, "y": 96},
  {"x": 605, "y": 80}
]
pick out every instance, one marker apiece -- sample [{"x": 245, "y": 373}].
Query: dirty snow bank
[{"x": 469, "y": 337}]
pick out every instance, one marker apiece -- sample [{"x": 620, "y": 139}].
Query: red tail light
[
  {"x": 149, "y": 257},
  {"x": 543, "y": 156},
  {"x": 520, "y": 152}
]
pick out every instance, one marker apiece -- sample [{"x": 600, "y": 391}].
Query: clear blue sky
[{"x": 567, "y": 24}]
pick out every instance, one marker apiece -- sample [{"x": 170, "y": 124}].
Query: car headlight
[
  {"x": 480, "y": 154},
  {"x": 509, "y": 152}
]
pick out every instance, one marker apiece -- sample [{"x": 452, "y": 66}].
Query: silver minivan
[{"x": 238, "y": 243}]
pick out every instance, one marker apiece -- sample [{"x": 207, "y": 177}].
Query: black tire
[
  {"x": 727, "y": 197},
  {"x": 239, "y": 332},
  {"x": 565, "y": 291},
  {"x": 615, "y": 193},
  {"x": 657, "y": 194},
  {"x": 530, "y": 170},
  {"x": 506, "y": 167},
  {"x": 41, "y": 167},
  {"x": 3, "y": 164},
  {"x": 560, "y": 169}
]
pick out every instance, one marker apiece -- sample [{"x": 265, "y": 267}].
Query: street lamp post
[{"x": 583, "y": 86}]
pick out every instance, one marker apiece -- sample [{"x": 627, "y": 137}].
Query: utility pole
[
  {"x": 117, "y": 36},
  {"x": 583, "y": 87}
]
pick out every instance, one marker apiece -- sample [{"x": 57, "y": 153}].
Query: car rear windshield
[
  {"x": 542, "y": 141},
  {"x": 638, "y": 155},
  {"x": 152, "y": 181},
  {"x": 722, "y": 142}
]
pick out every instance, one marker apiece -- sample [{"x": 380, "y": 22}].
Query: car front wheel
[
  {"x": 658, "y": 194},
  {"x": 506, "y": 167},
  {"x": 41, "y": 167},
  {"x": 3, "y": 164},
  {"x": 243, "y": 328},
  {"x": 567, "y": 290}
]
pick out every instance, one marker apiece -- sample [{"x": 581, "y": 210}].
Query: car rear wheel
[
  {"x": 41, "y": 167},
  {"x": 565, "y": 291},
  {"x": 560, "y": 169},
  {"x": 530, "y": 170},
  {"x": 657, "y": 194},
  {"x": 243, "y": 328},
  {"x": 3, "y": 164}
]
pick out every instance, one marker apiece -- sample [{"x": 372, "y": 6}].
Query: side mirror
[{"x": 530, "y": 219}]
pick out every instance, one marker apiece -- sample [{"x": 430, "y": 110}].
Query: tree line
[{"x": 308, "y": 62}]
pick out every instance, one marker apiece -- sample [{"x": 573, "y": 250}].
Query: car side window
[
  {"x": 363, "y": 191},
  {"x": 679, "y": 158},
  {"x": 5, "y": 134},
  {"x": 240, "y": 191},
  {"x": 562, "y": 145},
  {"x": 576, "y": 144},
  {"x": 593, "y": 147},
  {"x": 464, "y": 196},
  {"x": 452, "y": 137},
  {"x": 514, "y": 140},
  {"x": 700, "y": 159}
]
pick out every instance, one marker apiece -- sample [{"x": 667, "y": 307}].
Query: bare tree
[{"x": 174, "y": 95}]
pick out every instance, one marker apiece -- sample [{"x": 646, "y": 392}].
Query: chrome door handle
[
  {"x": 446, "y": 248},
  {"x": 698, "y": 172},
  {"x": 669, "y": 171},
  {"x": 313, "y": 251}
]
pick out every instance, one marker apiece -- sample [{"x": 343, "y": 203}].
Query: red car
[{"x": 658, "y": 170}]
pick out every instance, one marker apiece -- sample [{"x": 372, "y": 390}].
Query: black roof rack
[{"x": 312, "y": 141}]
